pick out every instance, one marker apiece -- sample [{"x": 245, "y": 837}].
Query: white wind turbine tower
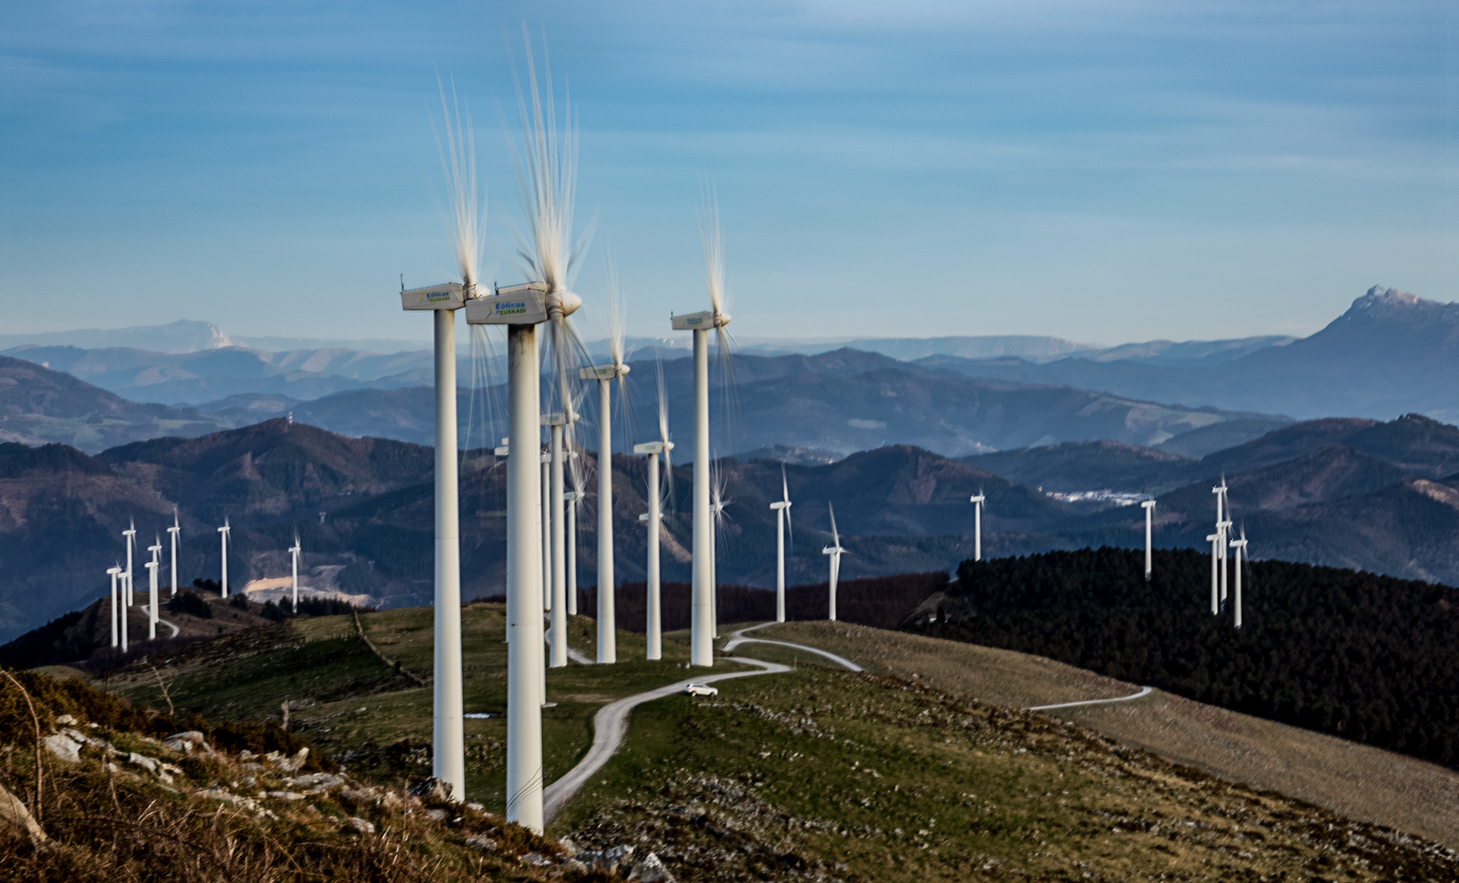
[
  {"x": 126, "y": 579},
  {"x": 977, "y": 500},
  {"x": 1239, "y": 546},
  {"x": 572, "y": 497},
  {"x": 716, "y": 505},
  {"x": 131, "y": 540},
  {"x": 1223, "y": 528},
  {"x": 152, "y": 584},
  {"x": 544, "y": 517},
  {"x": 172, "y": 534},
  {"x": 114, "y": 572},
  {"x": 605, "y": 375},
  {"x": 1149, "y": 507},
  {"x": 835, "y": 551},
  {"x": 654, "y": 521},
  {"x": 782, "y": 518},
  {"x": 702, "y": 619},
  {"x": 467, "y": 220},
  {"x": 223, "y": 539},
  {"x": 294, "y": 551},
  {"x": 546, "y": 175},
  {"x": 557, "y": 547},
  {"x": 1214, "y": 539}
]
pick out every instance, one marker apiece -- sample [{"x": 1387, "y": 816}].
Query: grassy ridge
[
  {"x": 376, "y": 721},
  {"x": 862, "y": 777},
  {"x": 1354, "y": 654},
  {"x": 1354, "y": 780}
]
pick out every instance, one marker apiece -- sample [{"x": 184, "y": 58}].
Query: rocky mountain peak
[{"x": 1390, "y": 302}]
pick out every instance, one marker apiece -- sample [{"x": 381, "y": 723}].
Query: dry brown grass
[{"x": 1358, "y": 781}]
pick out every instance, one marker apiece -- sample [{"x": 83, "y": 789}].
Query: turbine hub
[{"x": 562, "y": 303}]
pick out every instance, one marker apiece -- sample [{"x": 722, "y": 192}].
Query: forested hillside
[{"x": 1365, "y": 657}]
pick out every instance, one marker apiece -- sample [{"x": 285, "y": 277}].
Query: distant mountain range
[
  {"x": 836, "y": 402},
  {"x": 1348, "y": 493},
  {"x": 1391, "y": 353}
]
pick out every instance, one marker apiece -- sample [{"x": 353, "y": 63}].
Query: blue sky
[{"x": 1101, "y": 171}]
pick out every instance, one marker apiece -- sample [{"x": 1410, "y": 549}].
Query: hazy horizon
[{"x": 1096, "y": 172}]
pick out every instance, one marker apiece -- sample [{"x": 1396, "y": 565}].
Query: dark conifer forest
[{"x": 1364, "y": 657}]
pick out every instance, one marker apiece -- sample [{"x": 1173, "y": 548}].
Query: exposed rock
[
  {"x": 607, "y": 859},
  {"x": 66, "y": 720},
  {"x": 142, "y": 761},
  {"x": 431, "y": 790},
  {"x": 64, "y": 747},
  {"x": 16, "y": 820},
  {"x": 650, "y": 870},
  {"x": 361, "y": 825},
  {"x": 286, "y": 795},
  {"x": 318, "y": 782},
  {"x": 485, "y": 843},
  {"x": 535, "y": 860},
  {"x": 438, "y": 814},
  {"x": 187, "y": 742},
  {"x": 295, "y": 763}
]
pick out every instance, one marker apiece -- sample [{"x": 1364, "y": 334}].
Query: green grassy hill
[{"x": 886, "y": 775}]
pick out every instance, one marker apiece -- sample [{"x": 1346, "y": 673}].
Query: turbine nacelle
[
  {"x": 783, "y": 504},
  {"x": 657, "y": 447},
  {"x": 699, "y": 321},
  {"x": 1148, "y": 504},
  {"x": 529, "y": 304},
  {"x": 558, "y": 418},
  {"x": 602, "y": 372},
  {"x": 446, "y": 296}
]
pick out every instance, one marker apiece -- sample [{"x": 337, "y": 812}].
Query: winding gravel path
[
  {"x": 610, "y": 724},
  {"x": 1144, "y": 691},
  {"x": 739, "y": 638}
]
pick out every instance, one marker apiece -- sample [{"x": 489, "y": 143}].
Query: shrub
[{"x": 191, "y": 604}]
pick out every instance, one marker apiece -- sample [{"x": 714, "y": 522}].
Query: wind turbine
[
  {"x": 557, "y": 518},
  {"x": 125, "y": 611},
  {"x": 1214, "y": 539},
  {"x": 223, "y": 537},
  {"x": 1239, "y": 546},
  {"x": 572, "y": 497},
  {"x": 835, "y": 551},
  {"x": 152, "y": 581},
  {"x": 294, "y": 550},
  {"x": 546, "y": 176},
  {"x": 1223, "y": 525},
  {"x": 1149, "y": 507},
  {"x": 467, "y": 222},
  {"x": 1224, "y": 529},
  {"x": 605, "y": 375},
  {"x": 654, "y": 520},
  {"x": 172, "y": 533},
  {"x": 977, "y": 500},
  {"x": 782, "y": 517},
  {"x": 702, "y": 621},
  {"x": 114, "y": 572},
  {"x": 131, "y": 539}
]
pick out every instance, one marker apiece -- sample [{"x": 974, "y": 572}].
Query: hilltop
[
  {"x": 1390, "y": 353},
  {"x": 845, "y": 776}
]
